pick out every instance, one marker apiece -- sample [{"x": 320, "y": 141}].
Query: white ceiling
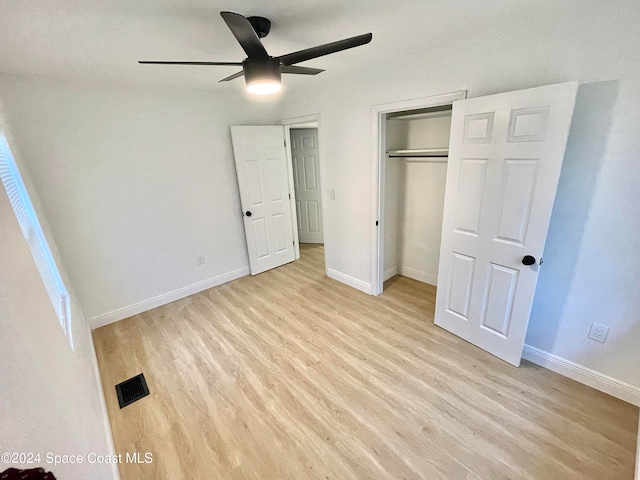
[{"x": 101, "y": 40}]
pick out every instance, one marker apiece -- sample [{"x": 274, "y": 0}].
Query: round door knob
[
  {"x": 528, "y": 260},
  {"x": 248, "y": 214}
]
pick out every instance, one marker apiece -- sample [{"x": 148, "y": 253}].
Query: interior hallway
[{"x": 292, "y": 375}]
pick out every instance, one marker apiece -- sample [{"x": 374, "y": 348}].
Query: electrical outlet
[
  {"x": 200, "y": 259},
  {"x": 598, "y": 332}
]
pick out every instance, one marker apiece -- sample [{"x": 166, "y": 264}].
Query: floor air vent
[{"x": 132, "y": 390}]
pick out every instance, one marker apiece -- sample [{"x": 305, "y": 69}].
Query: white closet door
[
  {"x": 261, "y": 166},
  {"x": 505, "y": 156}
]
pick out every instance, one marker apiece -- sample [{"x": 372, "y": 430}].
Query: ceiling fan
[{"x": 261, "y": 71}]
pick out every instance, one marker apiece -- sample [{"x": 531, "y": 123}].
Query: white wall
[
  {"x": 51, "y": 399},
  {"x": 429, "y": 132},
  {"x": 393, "y": 194},
  {"x": 591, "y": 271},
  {"x": 136, "y": 183},
  {"x": 423, "y": 200},
  {"x": 421, "y": 221},
  {"x": 393, "y": 199}
]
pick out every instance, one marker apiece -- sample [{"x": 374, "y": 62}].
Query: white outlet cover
[
  {"x": 598, "y": 332},
  {"x": 200, "y": 259}
]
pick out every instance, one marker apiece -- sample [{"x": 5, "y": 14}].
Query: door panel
[
  {"x": 306, "y": 179},
  {"x": 263, "y": 182},
  {"x": 498, "y": 304},
  {"x": 462, "y": 267},
  {"x": 254, "y": 185},
  {"x": 505, "y": 156},
  {"x": 518, "y": 188},
  {"x": 310, "y": 182},
  {"x": 470, "y": 188},
  {"x": 258, "y": 228},
  {"x": 313, "y": 215}
]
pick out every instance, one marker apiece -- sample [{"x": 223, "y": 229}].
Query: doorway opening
[
  {"x": 411, "y": 159},
  {"x": 305, "y": 183},
  {"x": 305, "y": 163},
  {"x": 264, "y": 160}
]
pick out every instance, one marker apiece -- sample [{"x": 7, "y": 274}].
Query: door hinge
[
  {"x": 285, "y": 143},
  {"x": 294, "y": 243},
  {"x": 376, "y": 223},
  {"x": 289, "y": 196}
]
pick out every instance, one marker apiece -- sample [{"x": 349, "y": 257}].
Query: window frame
[{"x": 35, "y": 238}]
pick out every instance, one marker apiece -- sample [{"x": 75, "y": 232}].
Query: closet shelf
[{"x": 420, "y": 152}]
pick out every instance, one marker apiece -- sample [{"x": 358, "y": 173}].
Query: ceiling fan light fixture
[
  {"x": 260, "y": 70},
  {"x": 264, "y": 88},
  {"x": 262, "y": 76}
]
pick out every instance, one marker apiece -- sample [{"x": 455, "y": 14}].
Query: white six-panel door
[
  {"x": 261, "y": 166},
  {"x": 306, "y": 180},
  {"x": 505, "y": 156}
]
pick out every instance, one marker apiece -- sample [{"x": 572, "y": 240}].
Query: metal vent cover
[{"x": 132, "y": 390}]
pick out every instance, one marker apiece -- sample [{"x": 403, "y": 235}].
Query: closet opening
[
  {"x": 415, "y": 177},
  {"x": 413, "y": 146}
]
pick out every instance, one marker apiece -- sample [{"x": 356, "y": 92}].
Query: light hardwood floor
[{"x": 292, "y": 375}]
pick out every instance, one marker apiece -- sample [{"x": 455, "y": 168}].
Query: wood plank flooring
[{"x": 292, "y": 375}]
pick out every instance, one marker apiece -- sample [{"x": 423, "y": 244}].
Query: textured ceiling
[{"x": 100, "y": 41}]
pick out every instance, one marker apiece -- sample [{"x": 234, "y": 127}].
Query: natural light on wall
[{"x": 34, "y": 236}]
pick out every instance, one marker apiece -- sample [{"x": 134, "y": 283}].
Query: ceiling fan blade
[
  {"x": 300, "y": 70},
  {"x": 153, "y": 62},
  {"x": 245, "y": 34},
  {"x": 326, "y": 49},
  {"x": 232, "y": 77}
]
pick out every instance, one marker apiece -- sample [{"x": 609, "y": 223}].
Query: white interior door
[
  {"x": 505, "y": 156},
  {"x": 261, "y": 166},
  {"x": 306, "y": 180}
]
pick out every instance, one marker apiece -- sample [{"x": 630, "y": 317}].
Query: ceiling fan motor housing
[{"x": 261, "y": 25}]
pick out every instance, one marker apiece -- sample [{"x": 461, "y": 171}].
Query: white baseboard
[
  {"x": 157, "y": 301},
  {"x": 103, "y": 407},
  {"x": 390, "y": 272},
  {"x": 349, "y": 280},
  {"x": 582, "y": 374},
  {"x": 418, "y": 275},
  {"x": 638, "y": 454}
]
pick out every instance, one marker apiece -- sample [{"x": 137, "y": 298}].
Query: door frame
[
  {"x": 305, "y": 121},
  {"x": 379, "y": 116}
]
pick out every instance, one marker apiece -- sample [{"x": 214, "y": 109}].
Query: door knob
[
  {"x": 528, "y": 260},
  {"x": 248, "y": 214}
]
